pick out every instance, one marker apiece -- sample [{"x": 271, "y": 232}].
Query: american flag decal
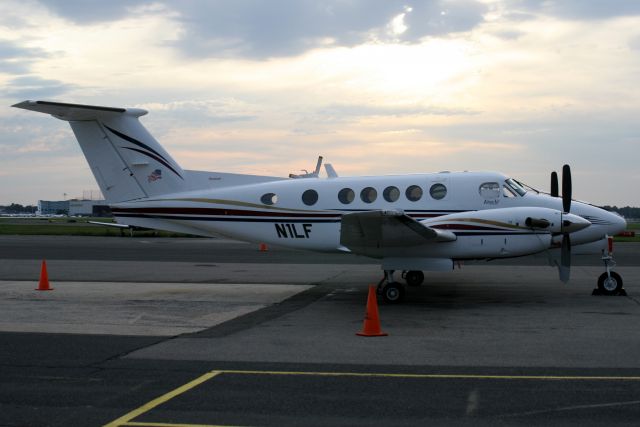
[{"x": 155, "y": 175}]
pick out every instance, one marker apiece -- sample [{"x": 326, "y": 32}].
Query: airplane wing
[{"x": 374, "y": 233}]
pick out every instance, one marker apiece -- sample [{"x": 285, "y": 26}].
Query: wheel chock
[{"x": 620, "y": 293}]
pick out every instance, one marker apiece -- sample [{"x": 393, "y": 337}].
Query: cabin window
[
  {"x": 413, "y": 193},
  {"x": 346, "y": 196},
  {"x": 489, "y": 190},
  {"x": 310, "y": 197},
  {"x": 391, "y": 194},
  {"x": 269, "y": 199},
  {"x": 438, "y": 191},
  {"x": 368, "y": 195}
]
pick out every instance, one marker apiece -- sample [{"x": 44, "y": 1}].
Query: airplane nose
[
  {"x": 618, "y": 224},
  {"x": 572, "y": 223}
]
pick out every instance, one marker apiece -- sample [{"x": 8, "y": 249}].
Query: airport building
[
  {"x": 83, "y": 207},
  {"x": 74, "y": 207},
  {"x": 50, "y": 207}
]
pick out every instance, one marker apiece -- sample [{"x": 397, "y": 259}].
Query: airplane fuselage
[{"x": 306, "y": 213}]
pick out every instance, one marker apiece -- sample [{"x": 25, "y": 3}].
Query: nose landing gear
[{"x": 609, "y": 282}]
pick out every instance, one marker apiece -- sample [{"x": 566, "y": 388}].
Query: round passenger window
[
  {"x": 391, "y": 194},
  {"x": 269, "y": 198},
  {"x": 346, "y": 196},
  {"x": 368, "y": 195},
  {"x": 438, "y": 191},
  {"x": 414, "y": 193},
  {"x": 310, "y": 197}
]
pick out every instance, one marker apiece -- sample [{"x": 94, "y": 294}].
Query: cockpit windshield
[{"x": 515, "y": 186}]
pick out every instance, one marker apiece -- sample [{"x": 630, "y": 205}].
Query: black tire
[
  {"x": 393, "y": 293},
  {"x": 610, "y": 286},
  {"x": 414, "y": 278}
]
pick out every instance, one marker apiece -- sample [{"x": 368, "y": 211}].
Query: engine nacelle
[{"x": 508, "y": 232}]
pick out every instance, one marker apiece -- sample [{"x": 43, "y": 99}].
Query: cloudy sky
[{"x": 376, "y": 86}]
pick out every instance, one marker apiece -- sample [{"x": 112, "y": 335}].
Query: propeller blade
[
  {"x": 566, "y": 188},
  {"x": 554, "y": 184},
  {"x": 565, "y": 259}
]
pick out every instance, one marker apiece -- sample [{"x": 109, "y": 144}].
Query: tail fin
[{"x": 127, "y": 162}]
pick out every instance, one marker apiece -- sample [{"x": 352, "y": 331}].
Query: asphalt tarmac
[{"x": 212, "y": 332}]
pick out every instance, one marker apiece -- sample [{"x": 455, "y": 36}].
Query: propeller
[
  {"x": 569, "y": 222},
  {"x": 565, "y": 250},
  {"x": 566, "y": 188},
  {"x": 554, "y": 184}
]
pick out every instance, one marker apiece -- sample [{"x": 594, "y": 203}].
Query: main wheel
[
  {"x": 414, "y": 278},
  {"x": 610, "y": 285},
  {"x": 393, "y": 293}
]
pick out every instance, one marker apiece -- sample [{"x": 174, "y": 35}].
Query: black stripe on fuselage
[{"x": 225, "y": 219}]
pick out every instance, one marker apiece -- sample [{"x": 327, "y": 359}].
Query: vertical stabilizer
[{"x": 126, "y": 161}]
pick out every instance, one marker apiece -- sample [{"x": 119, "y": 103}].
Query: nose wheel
[{"x": 609, "y": 282}]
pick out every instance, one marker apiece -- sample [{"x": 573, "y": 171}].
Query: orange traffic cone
[
  {"x": 371, "y": 327},
  {"x": 43, "y": 285},
  {"x": 263, "y": 247}
]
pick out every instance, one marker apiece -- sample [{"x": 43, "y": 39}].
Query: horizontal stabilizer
[{"x": 77, "y": 112}]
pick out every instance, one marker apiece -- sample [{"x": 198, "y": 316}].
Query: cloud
[
  {"x": 33, "y": 87},
  {"x": 634, "y": 43},
  {"x": 93, "y": 11},
  {"x": 357, "y": 110},
  {"x": 583, "y": 9},
  {"x": 260, "y": 29},
  {"x": 17, "y": 59}
]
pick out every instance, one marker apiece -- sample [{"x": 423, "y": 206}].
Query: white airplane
[{"x": 412, "y": 223}]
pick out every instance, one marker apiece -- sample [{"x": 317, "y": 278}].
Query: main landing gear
[
  {"x": 609, "y": 282},
  {"x": 393, "y": 292},
  {"x": 413, "y": 278}
]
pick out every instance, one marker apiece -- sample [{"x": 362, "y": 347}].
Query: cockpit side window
[
  {"x": 508, "y": 192},
  {"x": 515, "y": 187}
]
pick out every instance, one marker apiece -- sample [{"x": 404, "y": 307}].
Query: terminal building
[
  {"x": 51, "y": 207},
  {"x": 74, "y": 207}
]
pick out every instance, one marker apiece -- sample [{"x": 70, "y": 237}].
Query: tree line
[
  {"x": 627, "y": 211},
  {"x": 16, "y": 208}
]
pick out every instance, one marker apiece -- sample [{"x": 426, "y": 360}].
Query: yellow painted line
[
  {"x": 439, "y": 376},
  {"x": 139, "y": 424},
  {"x": 162, "y": 399},
  {"x": 125, "y": 420}
]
